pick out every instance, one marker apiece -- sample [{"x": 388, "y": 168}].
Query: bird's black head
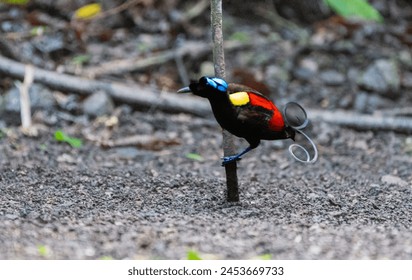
[{"x": 206, "y": 87}]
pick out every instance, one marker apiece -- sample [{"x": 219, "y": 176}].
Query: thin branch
[
  {"x": 25, "y": 111},
  {"x": 219, "y": 63}
]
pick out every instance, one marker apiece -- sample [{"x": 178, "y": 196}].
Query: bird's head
[{"x": 206, "y": 87}]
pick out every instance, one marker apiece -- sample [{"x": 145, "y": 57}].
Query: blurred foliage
[
  {"x": 88, "y": 11},
  {"x": 60, "y": 136},
  {"x": 15, "y": 2},
  {"x": 42, "y": 250},
  {"x": 359, "y": 9},
  {"x": 193, "y": 256},
  {"x": 241, "y": 37},
  {"x": 81, "y": 59},
  {"x": 194, "y": 156}
]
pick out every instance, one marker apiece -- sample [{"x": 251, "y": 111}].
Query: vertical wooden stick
[
  {"x": 219, "y": 62},
  {"x": 25, "y": 111}
]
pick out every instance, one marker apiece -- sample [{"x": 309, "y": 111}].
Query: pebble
[
  {"x": 127, "y": 152},
  {"x": 332, "y": 78},
  {"x": 48, "y": 43},
  {"x": 393, "y": 180},
  {"x": 40, "y": 98},
  {"x": 381, "y": 76},
  {"x": 407, "y": 80},
  {"x": 98, "y": 104}
]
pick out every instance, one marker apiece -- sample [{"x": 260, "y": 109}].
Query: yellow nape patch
[{"x": 239, "y": 98}]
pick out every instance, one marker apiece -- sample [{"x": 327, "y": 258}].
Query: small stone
[
  {"x": 361, "y": 102},
  {"x": 306, "y": 70},
  {"x": 393, "y": 180},
  {"x": 40, "y": 98},
  {"x": 407, "y": 80},
  {"x": 50, "y": 42},
  {"x": 303, "y": 74},
  {"x": 381, "y": 76},
  {"x": 127, "y": 152},
  {"x": 405, "y": 57},
  {"x": 332, "y": 78},
  {"x": 98, "y": 104}
]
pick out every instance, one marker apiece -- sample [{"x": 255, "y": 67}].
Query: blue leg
[{"x": 230, "y": 159}]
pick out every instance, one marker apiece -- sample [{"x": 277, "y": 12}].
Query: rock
[
  {"x": 367, "y": 103},
  {"x": 407, "y": 80},
  {"x": 393, "y": 180},
  {"x": 126, "y": 153},
  {"x": 48, "y": 43},
  {"x": 98, "y": 104},
  {"x": 306, "y": 69},
  {"x": 405, "y": 57},
  {"x": 332, "y": 78},
  {"x": 381, "y": 76},
  {"x": 361, "y": 102},
  {"x": 68, "y": 102},
  {"x": 40, "y": 98}
]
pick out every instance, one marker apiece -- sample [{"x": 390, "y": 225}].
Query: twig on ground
[{"x": 25, "y": 110}]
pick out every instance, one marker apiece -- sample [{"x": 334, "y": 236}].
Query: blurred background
[{"x": 301, "y": 50}]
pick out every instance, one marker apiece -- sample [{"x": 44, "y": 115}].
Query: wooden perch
[{"x": 136, "y": 95}]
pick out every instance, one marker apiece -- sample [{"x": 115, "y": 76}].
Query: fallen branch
[
  {"x": 194, "y": 49},
  {"x": 145, "y": 97},
  {"x": 136, "y": 95},
  {"x": 362, "y": 121}
]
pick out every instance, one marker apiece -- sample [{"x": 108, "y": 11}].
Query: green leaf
[
  {"x": 193, "y": 255},
  {"x": 60, "y": 136},
  {"x": 194, "y": 156},
  {"x": 81, "y": 59},
  {"x": 360, "y": 9},
  {"x": 15, "y": 2},
  {"x": 265, "y": 257},
  {"x": 241, "y": 37},
  {"x": 38, "y": 30},
  {"x": 106, "y": 258},
  {"x": 42, "y": 250}
]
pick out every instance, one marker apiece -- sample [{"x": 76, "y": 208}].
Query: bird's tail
[{"x": 297, "y": 120}]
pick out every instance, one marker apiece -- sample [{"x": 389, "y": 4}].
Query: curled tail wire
[{"x": 298, "y": 120}]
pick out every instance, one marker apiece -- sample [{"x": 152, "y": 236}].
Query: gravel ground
[{"x": 58, "y": 202}]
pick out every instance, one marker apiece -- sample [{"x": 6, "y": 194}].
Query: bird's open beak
[{"x": 184, "y": 90}]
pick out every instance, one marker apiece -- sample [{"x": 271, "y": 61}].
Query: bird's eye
[{"x": 217, "y": 83}]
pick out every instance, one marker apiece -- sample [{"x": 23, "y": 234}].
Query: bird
[{"x": 243, "y": 111}]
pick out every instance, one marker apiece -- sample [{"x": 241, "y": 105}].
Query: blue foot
[{"x": 230, "y": 159}]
